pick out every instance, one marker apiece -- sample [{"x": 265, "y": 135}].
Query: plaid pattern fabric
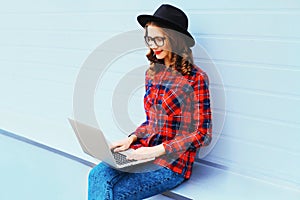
[{"x": 178, "y": 116}]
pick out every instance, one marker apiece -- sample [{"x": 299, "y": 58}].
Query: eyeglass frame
[{"x": 154, "y": 40}]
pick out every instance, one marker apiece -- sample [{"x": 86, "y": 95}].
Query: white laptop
[{"x": 93, "y": 142}]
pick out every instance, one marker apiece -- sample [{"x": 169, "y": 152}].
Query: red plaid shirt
[{"x": 178, "y": 116}]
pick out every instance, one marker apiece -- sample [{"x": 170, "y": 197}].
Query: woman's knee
[
  {"x": 91, "y": 174},
  {"x": 97, "y": 172},
  {"x": 103, "y": 172}
]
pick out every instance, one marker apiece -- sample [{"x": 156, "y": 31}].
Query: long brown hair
[{"x": 180, "y": 54}]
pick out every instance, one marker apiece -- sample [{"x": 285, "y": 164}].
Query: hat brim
[{"x": 144, "y": 19}]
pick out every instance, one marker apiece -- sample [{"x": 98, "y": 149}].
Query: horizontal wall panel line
[
  {"x": 259, "y": 174},
  {"x": 113, "y": 31},
  {"x": 38, "y": 62},
  {"x": 88, "y": 50},
  {"x": 259, "y": 144},
  {"x": 258, "y": 118},
  {"x": 59, "y": 30},
  {"x": 288, "y": 11},
  {"x": 262, "y": 143},
  {"x": 276, "y": 94},
  {"x": 66, "y": 12},
  {"x": 3, "y": 45},
  {"x": 52, "y": 81},
  {"x": 43, "y": 47},
  {"x": 248, "y": 64},
  {"x": 41, "y": 80},
  {"x": 272, "y": 38}
]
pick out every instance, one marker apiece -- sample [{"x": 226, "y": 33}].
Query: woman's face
[{"x": 157, "y": 41}]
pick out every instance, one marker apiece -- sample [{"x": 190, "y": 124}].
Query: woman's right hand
[{"x": 124, "y": 144}]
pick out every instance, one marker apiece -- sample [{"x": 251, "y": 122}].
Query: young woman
[{"x": 177, "y": 106}]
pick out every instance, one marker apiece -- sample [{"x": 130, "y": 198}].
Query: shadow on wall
[{"x": 217, "y": 92}]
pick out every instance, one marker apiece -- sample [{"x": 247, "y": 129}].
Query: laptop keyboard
[{"x": 121, "y": 159}]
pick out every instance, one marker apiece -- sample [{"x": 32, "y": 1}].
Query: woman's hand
[
  {"x": 124, "y": 144},
  {"x": 147, "y": 152}
]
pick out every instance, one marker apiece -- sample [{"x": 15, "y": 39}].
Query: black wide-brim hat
[{"x": 171, "y": 17}]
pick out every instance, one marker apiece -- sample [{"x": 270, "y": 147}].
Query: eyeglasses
[{"x": 158, "y": 41}]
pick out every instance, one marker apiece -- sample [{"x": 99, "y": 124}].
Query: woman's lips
[{"x": 157, "y": 52}]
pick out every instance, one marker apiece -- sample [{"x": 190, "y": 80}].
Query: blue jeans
[{"x": 106, "y": 183}]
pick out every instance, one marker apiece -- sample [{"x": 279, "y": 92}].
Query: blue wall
[{"x": 254, "y": 45}]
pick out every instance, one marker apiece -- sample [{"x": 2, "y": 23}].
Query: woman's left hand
[{"x": 147, "y": 152}]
